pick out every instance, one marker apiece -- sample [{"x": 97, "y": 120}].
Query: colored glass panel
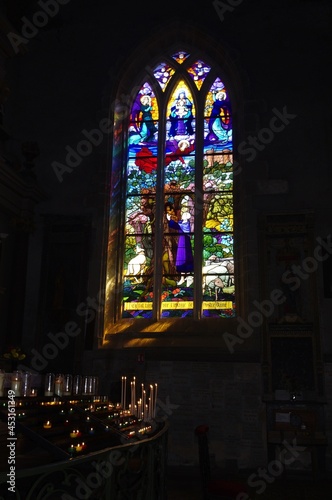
[
  {"x": 218, "y": 122},
  {"x": 141, "y": 170},
  {"x": 198, "y": 72},
  {"x": 179, "y": 167},
  {"x": 178, "y": 254},
  {"x": 143, "y": 118},
  {"x": 177, "y": 299},
  {"x": 163, "y": 73},
  {"x": 218, "y": 213},
  {"x": 172, "y": 228},
  {"x": 180, "y": 113},
  {"x": 180, "y": 57},
  {"x": 218, "y": 274},
  {"x": 139, "y": 249},
  {"x": 141, "y": 181},
  {"x": 218, "y": 170}
]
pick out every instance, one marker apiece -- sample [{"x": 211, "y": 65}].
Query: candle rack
[{"x": 66, "y": 428}]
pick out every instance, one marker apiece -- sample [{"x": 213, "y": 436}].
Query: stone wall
[{"x": 225, "y": 396}]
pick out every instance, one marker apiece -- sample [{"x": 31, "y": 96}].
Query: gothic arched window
[{"x": 171, "y": 213}]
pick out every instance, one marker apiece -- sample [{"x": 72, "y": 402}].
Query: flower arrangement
[{"x": 14, "y": 353}]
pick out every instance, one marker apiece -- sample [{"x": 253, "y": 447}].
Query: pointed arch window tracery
[{"x": 176, "y": 164}]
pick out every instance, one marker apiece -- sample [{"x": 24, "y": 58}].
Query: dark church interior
[{"x": 166, "y": 249}]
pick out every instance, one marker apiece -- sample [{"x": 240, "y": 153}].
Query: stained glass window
[
  {"x": 163, "y": 73},
  {"x": 198, "y": 72},
  {"x": 175, "y": 256},
  {"x": 180, "y": 56}
]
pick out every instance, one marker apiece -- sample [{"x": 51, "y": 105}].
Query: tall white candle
[
  {"x": 122, "y": 392},
  {"x": 152, "y": 401},
  {"x": 49, "y": 384},
  {"x": 155, "y": 401},
  {"x": 134, "y": 390},
  {"x": 125, "y": 393},
  {"x": 131, "y": 396},
  {"x": 143, "y": 405},
  {"x": 149, "y": 409}
]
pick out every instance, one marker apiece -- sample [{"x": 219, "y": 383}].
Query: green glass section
[{"x": 218, "y": 171}]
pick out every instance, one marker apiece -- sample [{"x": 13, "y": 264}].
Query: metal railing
[{"x": 131, "y": 471}]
